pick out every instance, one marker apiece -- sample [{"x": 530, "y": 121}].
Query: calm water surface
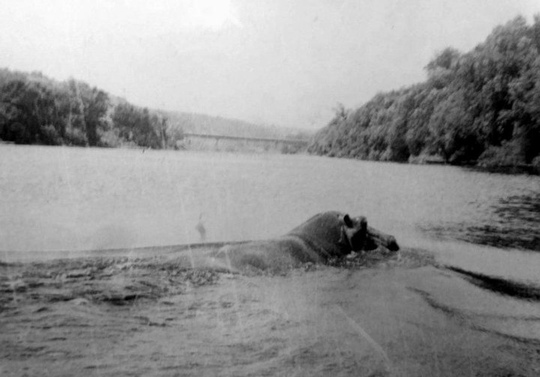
[{"x": 59, "y": 198}]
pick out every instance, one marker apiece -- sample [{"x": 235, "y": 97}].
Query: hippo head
[{"x": 354, "y": 232}]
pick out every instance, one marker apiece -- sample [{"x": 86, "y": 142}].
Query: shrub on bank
[
  {"x": 536, "y": 164},
  {"x": 507, "y": 154}
]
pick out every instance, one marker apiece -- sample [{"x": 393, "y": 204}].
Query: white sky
[{"x": 281, "y": 62}]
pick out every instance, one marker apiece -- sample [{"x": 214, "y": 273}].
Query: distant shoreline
[{"x": 518, "y": 169}]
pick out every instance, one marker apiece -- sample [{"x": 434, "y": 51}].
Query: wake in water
[
  {"x": 499, "y": 285},
  {"x": 490, "y": 267}
]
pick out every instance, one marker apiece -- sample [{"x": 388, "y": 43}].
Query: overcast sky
[{"x": 281, "y": 62}]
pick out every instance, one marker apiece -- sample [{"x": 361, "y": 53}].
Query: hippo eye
[{"x": 348, "y": 221}]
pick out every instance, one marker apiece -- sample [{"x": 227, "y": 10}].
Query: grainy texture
[{"x": 156, "y": 316}]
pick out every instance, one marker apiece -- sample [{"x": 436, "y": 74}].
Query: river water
[
  {"x": 484, "y": 228},
  {"x": 60, "y": 198}
]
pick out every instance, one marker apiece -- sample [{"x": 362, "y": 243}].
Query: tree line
[
  {"x": 35, "y": 109},
  {"x": 479, "y": 107}
]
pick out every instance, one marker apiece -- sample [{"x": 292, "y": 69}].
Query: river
[
  {"x": 63, "y": 198},
  {"x": 472, "y": 310}
]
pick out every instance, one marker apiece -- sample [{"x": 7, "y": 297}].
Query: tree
[
  {"x": 442, "y": 68},
  {"x": 87, "y": 110},
  {"x": 30, "y": 105},
  {"x": 452, "y": 124},
  {"x": 480, "y": 104},
  {"x": 95, "y": 108},
  {"x": 136, "y": 126}
]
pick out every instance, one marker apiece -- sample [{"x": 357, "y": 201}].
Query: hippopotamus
[{"x": 322, "y": 237}]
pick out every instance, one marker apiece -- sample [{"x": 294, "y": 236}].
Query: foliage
[
  {"x": 138, "y": 126},
  {"x": 37, "y": 110},
  {"x": 479, "y": 105}
]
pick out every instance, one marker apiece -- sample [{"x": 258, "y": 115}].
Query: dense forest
[
  {"x": 35, "y": 109},
  {"x": 480, "y": 107}
]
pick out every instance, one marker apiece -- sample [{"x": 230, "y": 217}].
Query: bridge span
[{"x": 193, "y": 136}]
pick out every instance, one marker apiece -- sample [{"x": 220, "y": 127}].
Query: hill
[
  {"x": 35, "y": 109},
  {"x": 216, "y": 125},
  {"x": 480, "y": 107}
]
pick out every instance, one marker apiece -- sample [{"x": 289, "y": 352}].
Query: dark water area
[
  {"x": 511, "y": 222},
  {"x": 502, "y": 286},
  {"x": 508, "y": 169},
  {"x": 509, "y": 228}
]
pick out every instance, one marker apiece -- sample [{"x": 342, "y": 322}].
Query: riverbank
[
  {"x": 495, "y": 164},
  {"x": 144, "y": 314}
]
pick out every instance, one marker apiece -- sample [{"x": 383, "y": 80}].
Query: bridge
[{"x": 189, "y": 136}]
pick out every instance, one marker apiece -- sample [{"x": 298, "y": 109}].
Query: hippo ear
[
  {"x": 348, "y": 221},
  {"x": 363, "y": 223}
]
